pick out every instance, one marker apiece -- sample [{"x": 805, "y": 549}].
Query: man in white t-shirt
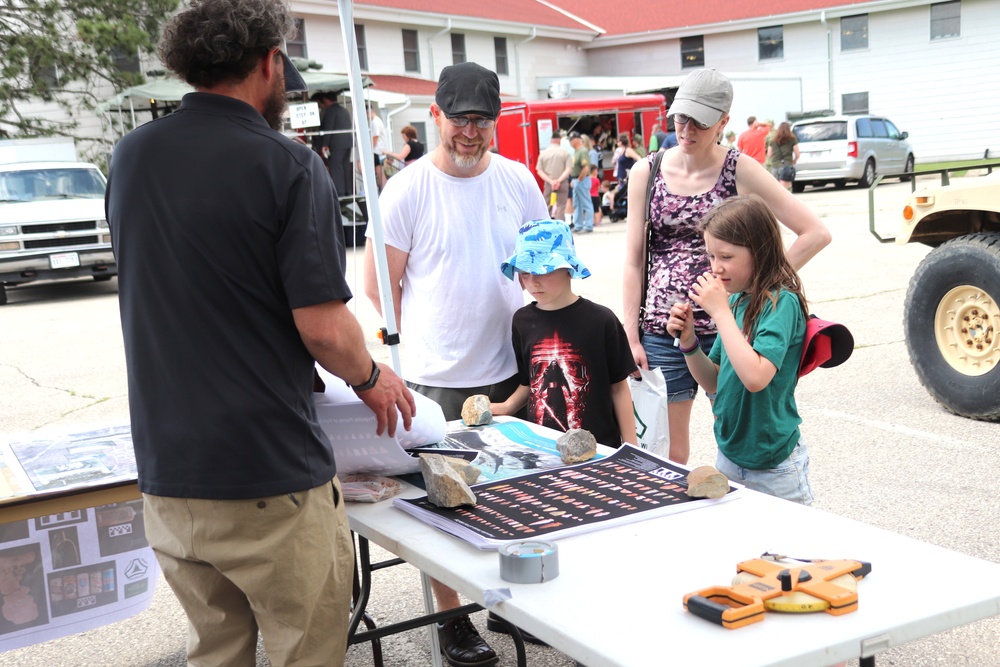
[
  {"x": 449, "y": 220},
  {"x": 380, "y": 144}
]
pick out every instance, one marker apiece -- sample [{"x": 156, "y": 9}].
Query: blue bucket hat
[{"x": 542, "y": 247}]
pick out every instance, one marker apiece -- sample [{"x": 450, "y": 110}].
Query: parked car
[
  {"x": 839, "y": 149},
  {"x": 52, "y": 224}
]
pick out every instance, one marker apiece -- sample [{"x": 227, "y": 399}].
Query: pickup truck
[{"x": 52, "y": 223}]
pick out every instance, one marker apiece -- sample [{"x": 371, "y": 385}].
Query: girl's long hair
[
  {"x": 783, "y": 134},
  {"x": 745, "y": 220}
]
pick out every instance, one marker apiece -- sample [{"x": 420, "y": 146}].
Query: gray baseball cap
[{"x": 705, "y": 95}]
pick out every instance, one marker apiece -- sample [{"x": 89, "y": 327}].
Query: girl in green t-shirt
[{"x": 756, "y": 299}]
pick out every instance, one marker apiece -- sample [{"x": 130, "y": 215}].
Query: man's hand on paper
[{"x": 388, "y": 395}]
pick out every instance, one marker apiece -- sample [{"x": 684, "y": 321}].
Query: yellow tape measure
[{"x": 798, "y": 602}]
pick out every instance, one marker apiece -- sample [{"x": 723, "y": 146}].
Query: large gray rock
[
  {"x": 576, "y": 446},
  {"x": 445, "y": 487},
  {"x": 476, "y": 410}
]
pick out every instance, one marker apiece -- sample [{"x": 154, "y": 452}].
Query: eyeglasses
[
  {"x": 681, "y": 119},
  {"x": 463, "y": 121}
]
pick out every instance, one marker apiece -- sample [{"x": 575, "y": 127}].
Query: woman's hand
[
  {"x": 710, "y": 293},
  {"x": 639, "y": 356}
]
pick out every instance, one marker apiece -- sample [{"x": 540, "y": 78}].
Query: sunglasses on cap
[
  {"x": 463, "y": 121},
  {"x": 681, "y": 119}
]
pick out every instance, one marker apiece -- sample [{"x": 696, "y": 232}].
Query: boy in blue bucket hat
[{"x": 573, "y": 358}]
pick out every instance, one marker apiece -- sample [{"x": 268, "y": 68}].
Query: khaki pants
[{"x": 281, "y": 565}]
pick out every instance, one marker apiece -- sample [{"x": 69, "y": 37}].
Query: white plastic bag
[{"x": 649, "y": 401}]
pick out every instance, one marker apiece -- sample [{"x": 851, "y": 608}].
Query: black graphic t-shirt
[{"x": 568, "y": 359}]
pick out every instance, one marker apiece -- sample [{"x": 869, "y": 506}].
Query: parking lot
[{"x": 883, "y": 452}]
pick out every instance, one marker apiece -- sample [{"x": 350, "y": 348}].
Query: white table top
[{"x": 618, "y": 599}]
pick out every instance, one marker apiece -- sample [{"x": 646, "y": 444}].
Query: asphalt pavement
[{"x": 882, "y": 451}]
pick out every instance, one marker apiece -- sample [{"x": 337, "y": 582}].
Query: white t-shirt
[
  {"x": 380, "y": 135},
  {"x": 457, "y": 306}
]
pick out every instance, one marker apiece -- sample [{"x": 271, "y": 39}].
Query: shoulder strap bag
[{"x": 654, "y": 169}]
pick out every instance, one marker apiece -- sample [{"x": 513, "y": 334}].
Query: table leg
[
  {"x": 363, "y": 583},
  {"x": 360, "y": 594},
  {"x": 425, "y": 584}
]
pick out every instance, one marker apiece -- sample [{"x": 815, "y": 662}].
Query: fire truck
[{"x": 526, "y": 128}]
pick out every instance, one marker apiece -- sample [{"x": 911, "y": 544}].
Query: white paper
[{"x": 350, "y": 426}]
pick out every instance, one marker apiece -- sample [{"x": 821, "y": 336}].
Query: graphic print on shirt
[{"x": 559, "y": 386}]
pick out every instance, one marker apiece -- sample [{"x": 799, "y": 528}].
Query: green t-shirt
[
  {"x": 758, "y": 430},
  {"x": 581, "y": 158}
]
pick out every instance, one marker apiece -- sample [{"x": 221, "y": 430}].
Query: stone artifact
[
  {"x": 576, "y": 445},
  {"x": 707, "y": 482},
  {"x": 476, "y": 410},
  {"x": 469, "y": 472},
  {"x": 445, "y": 487}
]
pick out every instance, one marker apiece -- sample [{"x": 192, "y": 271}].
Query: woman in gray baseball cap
[{"x": 666, "y": 256}]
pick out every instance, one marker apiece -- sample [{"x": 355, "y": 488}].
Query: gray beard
[{"x": 466, "y": 161}]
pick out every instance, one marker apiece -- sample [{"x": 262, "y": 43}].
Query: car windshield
[
  {"x": 825, "y": 131},
  {"x": 56, "y": 183}
]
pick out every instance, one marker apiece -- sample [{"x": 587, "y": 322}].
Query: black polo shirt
[{"x": 220, "y": 227}]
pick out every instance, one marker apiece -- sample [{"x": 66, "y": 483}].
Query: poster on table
[{"x": 77, "y": 570}]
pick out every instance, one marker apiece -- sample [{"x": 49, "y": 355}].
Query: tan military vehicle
[{"x": 952, "y": 308}]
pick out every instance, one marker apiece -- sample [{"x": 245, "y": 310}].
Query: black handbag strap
[{"x": 654, "y": 169}]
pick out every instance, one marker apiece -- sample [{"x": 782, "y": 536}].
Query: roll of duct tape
[{"x": 529, "y": 562}]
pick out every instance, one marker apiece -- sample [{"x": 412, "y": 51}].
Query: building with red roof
[{"x": 899, "y": 58}]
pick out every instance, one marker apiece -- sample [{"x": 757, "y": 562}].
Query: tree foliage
[{"x": 68, "y": 52}]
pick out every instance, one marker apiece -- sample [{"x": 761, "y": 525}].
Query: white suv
[{"x": 838, "y": 149}]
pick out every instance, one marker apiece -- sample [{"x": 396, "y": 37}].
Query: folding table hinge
[{"x": 874, "y": 645}]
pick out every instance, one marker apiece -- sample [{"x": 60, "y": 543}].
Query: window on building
[
  {"x": 770, "y": 43},
  {"x": 946, "y": 20},
  {"x": 362, "y": 42},
  {"x": 421, "y": 128},
  {"x": 853, "y": 103},
  {"x": 411, "y": 51},
  {"x": 692, "y": 52},
  {"x": 500, "y": 46},
  {"x": 854, "y": 32},
  {"x": 126, "y": 61},
  {"x": 44, "y": 76},
  {"x": 297, "y": 44},
  {"x": 457, "y": 48}
]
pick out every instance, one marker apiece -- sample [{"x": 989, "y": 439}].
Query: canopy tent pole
[
  {"x": 366, "y": 151},
  {"x": 366, "y": 155}
]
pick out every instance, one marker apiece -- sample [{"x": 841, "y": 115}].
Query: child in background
[
  {"x": 607, "y": 198},
  {"x": 757, "y": 302},
  {"x": 595, "y": 195},
  {"x": 572, "y": 355}
]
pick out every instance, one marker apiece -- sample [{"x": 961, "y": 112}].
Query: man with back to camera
[
  {"x": 231, "y": 282},
  {"x": 337, "y": 143},
  {"x": 449, "y": 220},
  {"x": 752, "y": 142},
  {"x": 553, "y": 167}
]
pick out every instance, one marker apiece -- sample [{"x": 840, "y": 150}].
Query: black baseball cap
[
  {"x": 294, "y": 83},
  {"x": 468, "y": 88}
]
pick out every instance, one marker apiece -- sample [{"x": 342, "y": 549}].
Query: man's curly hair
[{"x": 221, "y": 41}]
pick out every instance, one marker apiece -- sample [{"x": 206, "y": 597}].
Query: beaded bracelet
[{"x": 691, "y": 350}]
